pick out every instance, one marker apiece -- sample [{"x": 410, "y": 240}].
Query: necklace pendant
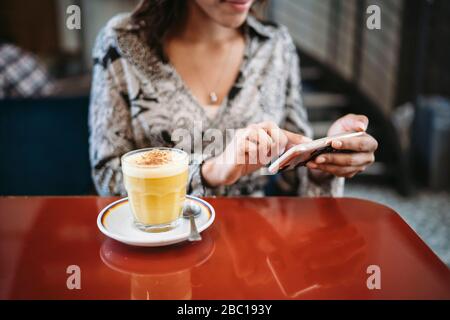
[{"x": 213, "y": 97}]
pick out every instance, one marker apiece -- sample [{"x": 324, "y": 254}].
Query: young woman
[{"x": 177, "y": 64}]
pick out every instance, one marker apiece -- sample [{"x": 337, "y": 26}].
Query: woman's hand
[
  {"x": 346, "y": 164},
  {"x": 250, "y": 149}
]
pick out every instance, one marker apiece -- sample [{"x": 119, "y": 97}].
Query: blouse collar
[{"x": 254, "y": 26}]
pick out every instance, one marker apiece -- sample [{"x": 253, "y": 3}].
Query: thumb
[
  {"x": 356, "y": 123},
  {"x": 360, "y": 123}
]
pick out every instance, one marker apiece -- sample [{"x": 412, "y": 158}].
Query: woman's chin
[{"x": 233, "y": 22}]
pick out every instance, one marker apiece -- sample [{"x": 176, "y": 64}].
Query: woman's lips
[{"x": 239, "y": 5}]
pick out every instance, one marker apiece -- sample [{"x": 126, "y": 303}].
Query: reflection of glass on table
[{"x": 158, "y": 273}]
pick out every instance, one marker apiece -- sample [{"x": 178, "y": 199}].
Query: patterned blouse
[{"x": 138, "y": 101}]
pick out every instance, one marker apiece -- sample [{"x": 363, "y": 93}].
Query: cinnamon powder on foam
[{"x": 154, "y": 158}]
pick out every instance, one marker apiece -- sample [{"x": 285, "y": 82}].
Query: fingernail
[
  {"x": 320, "y": 160},
  {"x": 338, "y": 144},
  {"x": 361, "y": 126}
]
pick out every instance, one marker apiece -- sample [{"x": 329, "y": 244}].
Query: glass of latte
[{"x": 156, "y": 179}]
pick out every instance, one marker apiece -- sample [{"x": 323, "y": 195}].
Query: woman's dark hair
[{"x": 157, "y": 17}]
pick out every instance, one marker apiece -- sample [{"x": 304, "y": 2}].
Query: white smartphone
[{"x": 301, "y": 154}]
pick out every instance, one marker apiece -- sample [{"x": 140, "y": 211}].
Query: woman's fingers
[
  {"x": 339, "y": 171},
  {"x": 346, "y": 159},
  {"x": 271, "y": 140},
  {"x": 295, "y": 139},
  {"x": 259, "y": 136},
  {"x": 265, "y": 144},
  {"x": 347, "y": 164},
  {"x": 260, "y": 143},
  {"x": 256, "y": 146},
  {"x": 278, "y": 136},
  {"x": 365, "y": 143},
  {"x": 252, "y": 148},
  {"x": 280, "y": 141},
  {"x": 250, "y": 153}
]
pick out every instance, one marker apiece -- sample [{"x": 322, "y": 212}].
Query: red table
[{"x": 258, "y": 248}]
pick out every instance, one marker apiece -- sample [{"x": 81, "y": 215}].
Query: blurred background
[{"x": 399, "y": 76}]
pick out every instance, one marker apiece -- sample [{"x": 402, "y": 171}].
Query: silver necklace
[{"x": 213, "y": 98}]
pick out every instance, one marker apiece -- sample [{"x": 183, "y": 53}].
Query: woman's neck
[{"x": 198, "y": 27}]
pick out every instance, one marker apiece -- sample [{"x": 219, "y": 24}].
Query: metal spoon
[{"x": 190, "y": 211}]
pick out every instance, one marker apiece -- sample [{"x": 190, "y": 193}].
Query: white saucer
[{"x": 116, "y": 222}]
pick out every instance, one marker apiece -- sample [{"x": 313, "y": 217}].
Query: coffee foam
[{"x": 156, "y": 163}]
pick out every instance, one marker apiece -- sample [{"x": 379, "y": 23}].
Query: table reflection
[
  {"x": 299, "y": 255},
  {"x": 158, "y": 273}
]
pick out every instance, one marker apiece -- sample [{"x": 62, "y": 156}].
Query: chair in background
[{"x": 44, "y": 147}]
